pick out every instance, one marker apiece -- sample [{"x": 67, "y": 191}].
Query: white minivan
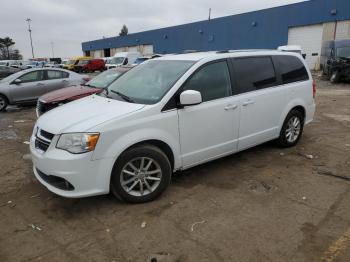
[
  {"x": 122, "y": 59},
  {"x": 170, "y": 114}
]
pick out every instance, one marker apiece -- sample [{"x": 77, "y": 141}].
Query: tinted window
[
  {"x": 52, "y": 74},
  {"x": 32, "y": 76},
  {"x": 291, "y": 69},
  {"x": 212, "y": 81},
  {"x": 254, "y": 73}
]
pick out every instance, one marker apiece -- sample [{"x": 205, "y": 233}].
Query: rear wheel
[
  {"x": 3, "y": 103},
  {"x": 292, "y": 129},
  {"x": 141, "y": 174}
]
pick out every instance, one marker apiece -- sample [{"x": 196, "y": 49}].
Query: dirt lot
[{"x": 264, "y": 204}]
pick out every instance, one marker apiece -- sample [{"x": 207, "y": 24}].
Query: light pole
[
  {"x": 30, "y": 35},
  {"x": 53, "y": 54}
]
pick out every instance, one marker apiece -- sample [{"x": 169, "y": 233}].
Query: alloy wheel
[
  {"x": 141, "y": 176},
  {"x": 293, "y": 129}
]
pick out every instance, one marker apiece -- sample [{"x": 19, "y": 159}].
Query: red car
[
  {"x": 65, "y": 95},
  {"x": 92, "y": 65}
]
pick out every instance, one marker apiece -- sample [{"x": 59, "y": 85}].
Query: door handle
[
  {"x": 248, "y": 102},
  {"x": 229, "y": 107}
]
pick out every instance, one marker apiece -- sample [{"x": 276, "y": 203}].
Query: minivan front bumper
[{"x": 70, "y": 175}]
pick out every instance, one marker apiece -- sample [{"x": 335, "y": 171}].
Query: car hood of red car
[{"x": 69, "y": 93}]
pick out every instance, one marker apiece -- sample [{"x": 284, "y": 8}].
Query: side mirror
[
  {"x": 17, "y": 81},
  {"x": 190, "y": 98},
  {"x": 328, "y": 62}
]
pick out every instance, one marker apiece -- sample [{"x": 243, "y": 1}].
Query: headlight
[{"x": 78, "y": 143}]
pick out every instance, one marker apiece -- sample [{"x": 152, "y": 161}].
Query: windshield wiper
[{"x": 125, "y": 97}]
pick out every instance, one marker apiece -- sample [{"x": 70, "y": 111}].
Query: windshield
[
  {"x": 117, "y": 60},
  {"x": 71, "y": 62},
  {"x": 150, "y": 81},
  {"x": 104, "y": 79},
  {"x": 12, "y": 77},
  {"x": 83, "y": 62},
  {"x": 343, "y": 52}
]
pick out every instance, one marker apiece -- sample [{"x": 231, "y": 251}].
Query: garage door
[
  {"x": 343, "y": 30},
  {"x": 310, "y": 40}
]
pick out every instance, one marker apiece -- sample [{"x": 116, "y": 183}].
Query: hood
[
  {"x": 84, "y": 114},
  {"x": 69, "y": 93}
]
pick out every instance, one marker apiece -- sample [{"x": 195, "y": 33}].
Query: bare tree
[
  {"x": 124, "y": 31},
  {"x": 7, "y": 42}
]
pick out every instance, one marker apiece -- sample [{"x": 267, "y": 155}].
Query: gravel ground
[{"x": 263, "y": 204}]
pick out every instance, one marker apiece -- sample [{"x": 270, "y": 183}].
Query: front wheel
[
  {"x": 335, "y": 77},
  {"x": 292, "y": 129},
  {"x": 141, "y": 174},
  {"x": 3, "y": 103}
]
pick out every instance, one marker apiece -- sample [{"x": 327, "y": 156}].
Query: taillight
[{"x": 314, "y": 88}]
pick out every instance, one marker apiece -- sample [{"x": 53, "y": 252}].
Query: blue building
[{"x": 306, "y": 24}]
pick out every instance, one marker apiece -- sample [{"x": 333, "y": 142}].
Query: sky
[{"x": 68, "y": 23}]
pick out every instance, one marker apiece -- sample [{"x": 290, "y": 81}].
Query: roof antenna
[{"x": 209, "y": 13}]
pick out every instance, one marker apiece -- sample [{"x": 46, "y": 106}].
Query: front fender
[{"x": 119, "y": 145}]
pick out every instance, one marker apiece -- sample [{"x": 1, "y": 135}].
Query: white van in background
[{"x": 122, "y": 58}]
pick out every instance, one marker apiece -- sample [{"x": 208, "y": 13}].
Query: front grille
[
  {"x": 43, "y": 140},
  {"x": 46, "y": 135},
  {"x": 44, "y": 107},
  {"x": 41, "y": 144},
  {"x": 56, "y": 181}
]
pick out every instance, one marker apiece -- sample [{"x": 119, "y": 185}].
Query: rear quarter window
[{"x": 291, "y": 69}]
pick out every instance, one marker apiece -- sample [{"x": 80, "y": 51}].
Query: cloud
[{"x": 67, "y": 23}]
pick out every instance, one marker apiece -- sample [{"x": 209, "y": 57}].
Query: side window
[
  {"x": 291, "y": 69},
  {"x": 32, "y": 76},
  {"x": 254, "y": 73},
  {"x": 65, "y": 75},
  {"x": 212, "y": 81},
  {"x": 52, "y": 74}
]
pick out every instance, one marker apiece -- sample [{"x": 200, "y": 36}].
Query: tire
[
  {"x": 292, "y": 129},
  {"x": 3, "y": 103},
  {"x": 144, "y": 187},
  {"x": 335, "y": 77}
]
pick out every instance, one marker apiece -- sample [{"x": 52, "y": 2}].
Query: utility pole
[
  {"x": 53, "y": 54},
  {"x": 209, "y": 14},
  {"x": 30, "y": 35}
]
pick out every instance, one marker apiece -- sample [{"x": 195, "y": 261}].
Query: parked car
[
  {"x": 25, "y": 87},
  {"x": 169, "y": 114},
  {"x": 74, "y": 61},
  {"x": 52, "y": 64},
  {"x": 123, "y": 59},
  {"x": 106, "y": 59},
  {"x": 36, "y": 64},
  {"x": 7, "y": 70},
  {"x": 89, "y": 66},
  {"x": 63, "y": 96},
  {"x": 64, "y": 62},
  {"x": 335, "y": 60},
  {"x": 12, "y": 63},
  {"x": 25, "y": 64}
]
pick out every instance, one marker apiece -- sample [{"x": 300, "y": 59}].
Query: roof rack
[{"x": 242, "y": 50}]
